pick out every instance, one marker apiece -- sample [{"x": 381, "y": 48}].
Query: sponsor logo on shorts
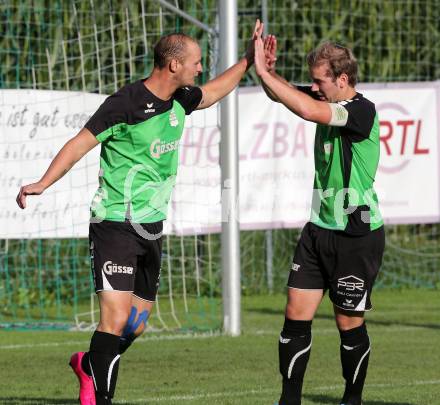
[
  {"x": 348, "y": 303},
  {"x": 295, "y": 267},
  {"x": 283, "y": 340},
  {"x": 110, "y": 268},
  {"x": 351, "y": 283}
]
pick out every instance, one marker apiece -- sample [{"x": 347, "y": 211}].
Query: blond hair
[{"x": 338, "y": 58}]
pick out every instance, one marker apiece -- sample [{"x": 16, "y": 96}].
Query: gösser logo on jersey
[
  {"x": 112, "y": 268},
  {"x": 158, "y": 148},
  {"x": 351, "y": 283}
]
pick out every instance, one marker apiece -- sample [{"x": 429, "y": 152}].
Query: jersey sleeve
[
  {"x": 110, "y": 117},
  {"x": 308, "y": 90},
  {"x": 189, "y": 98},
  {"x": 361, "y": 113}
]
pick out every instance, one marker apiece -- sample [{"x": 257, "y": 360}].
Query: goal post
[{"x": 230, "y": 252}]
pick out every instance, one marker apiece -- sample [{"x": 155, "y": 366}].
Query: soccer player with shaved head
[
  {"x": 139, "y": 128},
  {"x": 341, "y": 248}
]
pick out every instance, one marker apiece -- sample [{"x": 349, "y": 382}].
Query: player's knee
[
  {"x": 291, "y": 309},
  {"x": 296, "y": 312},
  {"x": 357, "y": 336},
  {"x": 136, "y": 322},
  {"x": 294, "y": 348},
  {"x": 133, "y": 328},
  {"x": 347, "y": 322},
  {"x": 113, "y": 323}
]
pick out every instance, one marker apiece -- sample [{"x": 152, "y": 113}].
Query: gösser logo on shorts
[
  {"x": 351, "y": 283},
  {"x": 112, "y": 268},
  {"x": 295, "y": 267}
]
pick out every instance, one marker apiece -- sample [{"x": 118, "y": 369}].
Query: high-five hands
[
  {"x": 250, "y": 51},
  {"x": 260, "y": 57},
  {"x": 265, "y": 52},
  {"x": 270, "y": 51}
]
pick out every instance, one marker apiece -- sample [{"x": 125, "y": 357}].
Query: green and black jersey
[
  {"x": 140, "y": 136},
  {"x": 346, "y": 160}
]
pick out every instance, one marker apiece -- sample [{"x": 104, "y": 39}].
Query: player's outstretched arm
[
  {"x": 223, "y": 84},
  {"x": 296, "y": 101},
  {"x": 270, "y": 53},
  {"x": 69, "y": 154}
]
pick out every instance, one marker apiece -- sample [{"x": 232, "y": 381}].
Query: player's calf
[
  {"x": 104, "y": 364},
  {"x": 355, "y": 353},
  {"x": 294, "y": 352}
]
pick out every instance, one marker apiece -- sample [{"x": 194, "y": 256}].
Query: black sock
[
  {"x": 104, "y": 364},
  {"x": 355, "y": 353},
  {"x": 294, "y": 352},
  {"x": 125, "y": 343},
  {"x": 85, "y": 365}
]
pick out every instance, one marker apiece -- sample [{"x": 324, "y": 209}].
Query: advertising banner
[{"x": 275, "y": 162}]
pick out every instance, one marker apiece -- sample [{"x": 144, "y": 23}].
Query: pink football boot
[{"x": 86, "y": 388}]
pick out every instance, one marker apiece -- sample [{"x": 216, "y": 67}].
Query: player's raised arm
[
  {"x": 270, "y": 53},
  {"x": 280, "y": 90},
  {"x": 69, "y": 154},
  {"x": 223, "y": 84}
]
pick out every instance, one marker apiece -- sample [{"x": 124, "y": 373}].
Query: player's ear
[
  {"x": 342, "y": 80},
  {"x": 173, "y": 65}
]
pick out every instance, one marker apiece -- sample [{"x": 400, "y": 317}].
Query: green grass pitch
[{"x": 404, "y": 368}]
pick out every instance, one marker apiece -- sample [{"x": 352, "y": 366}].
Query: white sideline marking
[
  {"x": 49, "y": 344},
  {"x": 140, "y": 340},
  {"x": 265, "y": 391},
  {"x": 371, "y": 330},
  {"x": 207, "y": 335},
  {"x": 250, "y": 392}
]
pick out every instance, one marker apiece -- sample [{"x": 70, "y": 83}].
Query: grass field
[{"x": 176, "y": 369}]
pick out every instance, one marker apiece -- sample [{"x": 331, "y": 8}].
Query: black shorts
[
  {"x": 126, "y": 257},
  {"x": 344, "y": 264}
]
